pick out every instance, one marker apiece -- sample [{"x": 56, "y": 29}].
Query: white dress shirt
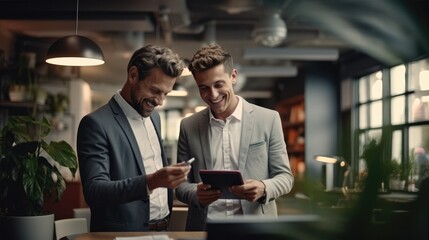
[
  {"x": 224, "y": 144},
  {"x": 150, "y": 150}
]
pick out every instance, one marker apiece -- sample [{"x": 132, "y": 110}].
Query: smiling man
[
  {"x": 125, "y": 178},
  {"x": 231, "y": 134}
]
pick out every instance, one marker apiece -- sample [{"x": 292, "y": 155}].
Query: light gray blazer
[{"x": 262, "y": 156}]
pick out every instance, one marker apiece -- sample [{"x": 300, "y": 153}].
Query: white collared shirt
[
  {"x": 150, "y": 150},
  {"x": 224, "y": 144}
]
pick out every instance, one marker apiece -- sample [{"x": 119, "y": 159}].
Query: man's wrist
[
  {"x": 149, "y": 183},
  {"x": 264, "y": 195}
]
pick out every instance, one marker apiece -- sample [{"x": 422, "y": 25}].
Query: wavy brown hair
[
  {"x": 149, "y": 57},
  {"x": 210, "y": 56}
]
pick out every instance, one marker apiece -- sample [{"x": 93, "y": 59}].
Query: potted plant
[
  {"x": 396, "y": 175},
  {"x": 22, "y": 78},
  {"x": 57, "y": 103},
  {"x": 29, "y": 173}
]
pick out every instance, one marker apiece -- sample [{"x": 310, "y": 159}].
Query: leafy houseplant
[
  {"x": 396, "y": 175},
  {"x": 27, "y": 177},
  {"x": 394, "y": 169},
  {"x": 22, "y": 80},
  {"x": 57, "y": 103}
]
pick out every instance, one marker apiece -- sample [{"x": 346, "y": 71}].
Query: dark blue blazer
[{"x": 112, "y": 173}]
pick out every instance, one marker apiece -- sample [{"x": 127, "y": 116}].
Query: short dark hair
[
  {"x": 149, "y": 57},
  {"x": 210, "y": 56}
]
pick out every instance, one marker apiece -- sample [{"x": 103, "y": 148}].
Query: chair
[
  {"x": 178, "y": 219},
  {"x": 83, "y": 213},
  {"x": 70, "y": 226}
]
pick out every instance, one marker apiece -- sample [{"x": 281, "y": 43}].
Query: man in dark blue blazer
[{"x": 126, "y": 179}]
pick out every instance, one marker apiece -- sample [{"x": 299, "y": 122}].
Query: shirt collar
[
  {"x": 237, "y": 114},
  {"x": 126, "y": 107}
]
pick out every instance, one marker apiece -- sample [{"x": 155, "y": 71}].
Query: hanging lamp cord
[{"x": 77, "y": 15}]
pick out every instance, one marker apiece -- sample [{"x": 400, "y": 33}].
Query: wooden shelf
[
  {"x": 296, "y": 149},
  {"x": 293, "y": 125},
  {"x": 10, "y": 104},
  {"x": 292, "y": 113}
]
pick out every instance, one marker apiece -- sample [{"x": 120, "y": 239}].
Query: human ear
[
  {"x": 234, "y": 76},
  {"x": 133, "y": 75}
]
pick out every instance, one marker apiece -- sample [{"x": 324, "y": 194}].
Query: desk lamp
[{"x": 330, "y": 162}]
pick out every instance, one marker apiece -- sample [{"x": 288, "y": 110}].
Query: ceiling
[{"x": 323, "y": 30}]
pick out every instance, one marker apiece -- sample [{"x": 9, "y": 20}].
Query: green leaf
[
  {"x": 60, "y": 186},
  {"x": 62, "y": 153},
  {"x": 32, "y": 186}
]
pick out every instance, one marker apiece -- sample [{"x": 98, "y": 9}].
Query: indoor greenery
[
  {"x": 57, "y": 103},
  {"x": 23, "y": 74},
  {"x": 28, "y": 166},
  {"x": 394, "y": 169},
  {"x": 22, "y": 77}
]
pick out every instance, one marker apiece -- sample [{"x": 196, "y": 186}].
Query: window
[
  {"x": 395, "y": 102},
  {"x": 418, "y": 145}
]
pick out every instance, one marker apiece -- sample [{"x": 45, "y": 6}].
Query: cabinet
[{"x": 292, "y": 114}]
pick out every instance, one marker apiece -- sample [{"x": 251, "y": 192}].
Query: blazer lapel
[
  {"x": 122, "y": 121},
  {"x": 203, "y": 128},
  {"x": 246, "y": 133}
]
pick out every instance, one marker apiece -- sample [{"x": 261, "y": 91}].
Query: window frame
[{"x": 387, "y": 127}]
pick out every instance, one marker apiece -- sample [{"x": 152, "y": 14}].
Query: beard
[{"x": 143, "y": 106}]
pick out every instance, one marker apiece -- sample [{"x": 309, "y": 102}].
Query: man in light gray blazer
[{"x": 231, "y": 134}]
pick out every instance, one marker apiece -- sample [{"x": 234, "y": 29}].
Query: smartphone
[{"x": 190, "y": 161}]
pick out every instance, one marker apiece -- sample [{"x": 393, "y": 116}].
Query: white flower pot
[
  {"x": 17, "y": 93},
  {"x": 396, "y": 184},
  {"x": 28, "y": 227}
]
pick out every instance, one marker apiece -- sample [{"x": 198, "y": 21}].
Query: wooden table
[{"x": 112, "y": 235}]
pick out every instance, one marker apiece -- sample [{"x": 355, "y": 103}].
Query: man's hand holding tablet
[{"x": 222, "y": 180}]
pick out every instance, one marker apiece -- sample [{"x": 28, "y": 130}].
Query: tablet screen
[{"x": 222, "y": 179}]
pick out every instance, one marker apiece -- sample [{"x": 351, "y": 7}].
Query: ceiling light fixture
[
  {"x": 303, "y": 54},
  {"x": 75, "y": 50},
  {"x": 269, "y": 71},
  {"x": 271, "y": 30}
]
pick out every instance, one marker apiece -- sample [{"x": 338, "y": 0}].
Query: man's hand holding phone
[
  {"x": 186, "y": 163},
  {"x": 190, "y": 161}
]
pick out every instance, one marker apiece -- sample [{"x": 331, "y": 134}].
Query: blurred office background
[{"x": 341, "y": 73}]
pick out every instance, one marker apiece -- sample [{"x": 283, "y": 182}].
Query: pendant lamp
[{"x": 75, "y": 50}]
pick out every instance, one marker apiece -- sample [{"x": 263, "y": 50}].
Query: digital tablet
[{"x": 222, "y": 179}]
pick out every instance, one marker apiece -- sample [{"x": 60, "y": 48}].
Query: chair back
[
  {"x": 83, "y": 213},
  {"x": 69, "y": 226},
  {"x": 178, "y": 219}
]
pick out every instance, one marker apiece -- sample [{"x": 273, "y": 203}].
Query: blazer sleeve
[
  {"x": 108, "y": 168},
  {"x": 280, "y": 179},
  {"x": 186, "y": 192}
]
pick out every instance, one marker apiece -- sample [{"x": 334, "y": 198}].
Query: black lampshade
[{"x": 74, "y": 50}]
